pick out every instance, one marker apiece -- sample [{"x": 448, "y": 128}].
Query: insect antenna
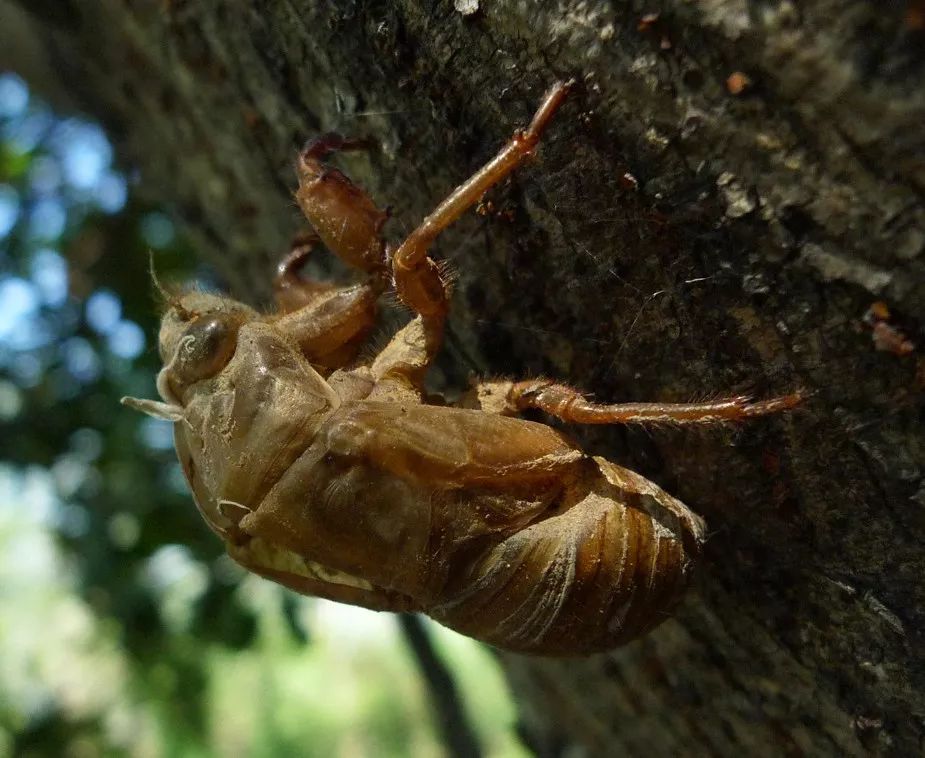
[{"x": 166, "y": 296}]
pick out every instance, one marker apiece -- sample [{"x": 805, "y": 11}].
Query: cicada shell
[
  {"x": 343, "y": 480},
  {"x": 495, "y": 526}
]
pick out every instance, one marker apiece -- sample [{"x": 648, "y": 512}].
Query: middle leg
[{"x": 419, "y": 280}]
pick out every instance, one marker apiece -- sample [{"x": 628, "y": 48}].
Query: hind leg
[{"x": 568, "y": 404}]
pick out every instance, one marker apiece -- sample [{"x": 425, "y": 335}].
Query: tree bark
[{"x": 733, "y": 186}]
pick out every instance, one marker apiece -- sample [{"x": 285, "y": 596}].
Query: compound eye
[{"x": 205, "y": 348}]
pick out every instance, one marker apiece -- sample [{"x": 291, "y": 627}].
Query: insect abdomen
[{"x": 594, "y": 575}]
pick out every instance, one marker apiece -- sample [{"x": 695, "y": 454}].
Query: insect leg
[
  {"x": 451, "y": 447},
  {"x": 570, "y": 405},
  {"x": 418, "y": 279},
  {"x": 344, "y": 217},
  {"x": 329, "y": 323},
  {"x": 290, "y": 290},
  {"x": 404, "y": 361}
]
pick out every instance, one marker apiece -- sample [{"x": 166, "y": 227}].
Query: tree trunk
[{"x": 732, "y": 187}]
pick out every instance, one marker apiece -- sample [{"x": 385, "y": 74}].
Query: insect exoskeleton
[{"x": 343, "y": 479}]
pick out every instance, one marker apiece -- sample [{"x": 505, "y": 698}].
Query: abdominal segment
[{"x": 603, "y": 569}]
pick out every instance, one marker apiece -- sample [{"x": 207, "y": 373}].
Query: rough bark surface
[{"x": 672, "y": 240}]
